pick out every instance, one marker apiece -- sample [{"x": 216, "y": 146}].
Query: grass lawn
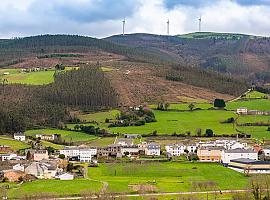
[
  {"x": 50, "y": 144},
  {"x": 169, "y": 122},
  {"x": 69, "y": 136},
  {"x": 184, "y": 106},
  {"x": 14, "y": 144},
  {"x": 166, "y": 177},
  {"x": 61, "y": 188},
  {"x": 258, "y": 132},
  {"x": 253, "y": 118},
  {"x": 101, "y": 142},
  {"x": 257, "y": 104},
  {"x": 255, "y": 95},
  {"x": 32, "y": 78}
]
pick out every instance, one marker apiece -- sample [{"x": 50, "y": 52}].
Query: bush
[
  {"x": 140, "y": 123},
  {"x": 61, "y": 156},
  {"x": 209, "y": 133},
  {"x": 219, "y": 103}
]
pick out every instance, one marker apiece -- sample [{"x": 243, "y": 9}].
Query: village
[{"x": 35, "y": 164}]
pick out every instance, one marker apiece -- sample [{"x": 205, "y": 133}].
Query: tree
[
  {"x": 61, "y": 156},
  {"x": 50, "y": 150},
  {"x": 76, "y": 127},
  {"x": 219, "y": 103},
  {"x": 199, "y": 132},
  {"x": 28, "y": 155},
  {"x": 209, "y": 133},
  {"x": 191, "y": 106}
]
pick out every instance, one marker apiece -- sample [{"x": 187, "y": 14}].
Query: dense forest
[
  {"x": 86, "y": 87},
  {"x": 15, "y": 50},
  {"x": 25, "y": 106}
]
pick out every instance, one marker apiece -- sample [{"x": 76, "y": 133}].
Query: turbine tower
[
  {"x": 200, "y": 23},
  {"x": 124, "y": 22},
  {"x": 168, "y": 27}
]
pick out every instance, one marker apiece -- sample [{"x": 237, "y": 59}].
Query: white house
[
  {"x": 242, "y": 111},
  {"x": 66, "y": 177},
  {"x": 124, "y": 142},
  {"x": 19, "y": 136},
  {"x": 191, "y": 148},
  {"x": 266, "y": 151},
  {"x": 130, "y": 150},
  {"x": 152, "y": 149},
  {"x": 84, "y": 154},
  {"x": 18, "y": 167},
  {"x": 175, "y": 149},
  {"x": 232, "y": 154},
  {"x": 4, "y": 157}
]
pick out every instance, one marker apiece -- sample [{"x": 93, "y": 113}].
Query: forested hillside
[
  {"x": 234, "y": 54},
  {"x": 26, "y": 106}
]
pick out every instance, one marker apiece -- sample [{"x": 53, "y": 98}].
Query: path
[
  {"x": 155, "y": 194},
  {"x": 237, "y": 98}
]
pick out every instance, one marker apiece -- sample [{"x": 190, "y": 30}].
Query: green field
[
  {"x": 257, "y": 104},
  {"x": 50, "y": 144},
  {"x": 254, "y": 95},
  {"x": 166, "y": 177},
  {"x": 253, "y": 119},
  {"x": 14, "y": 144},
  {"x": 68, "y": 136},
  {"x": 54, "y": 187},
  {"x": 32, "y": 78},
  {"x": 169, "y": 122}
]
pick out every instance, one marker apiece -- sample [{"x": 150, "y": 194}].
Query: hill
[{"x": 239, "y": 55}]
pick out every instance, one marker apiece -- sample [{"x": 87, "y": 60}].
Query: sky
[{"x": 102, "y": 18}]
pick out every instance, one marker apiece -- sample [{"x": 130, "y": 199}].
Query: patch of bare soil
[
  {"x": 142, "y": 188},
  {"x": 142, "y": 85}
]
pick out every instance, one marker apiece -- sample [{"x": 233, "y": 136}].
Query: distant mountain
[
  {"x": 143, "y": 67},
  {"x": 239, "y": 55}
]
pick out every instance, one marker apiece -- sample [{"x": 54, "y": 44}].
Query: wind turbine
[
  {"x": 200, "y": 23},
  {"x": 168, "y": 27},
  {"x": 124, "y": 22}
]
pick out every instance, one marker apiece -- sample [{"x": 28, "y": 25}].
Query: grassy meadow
[
  {"x": 41, "y": 188},
  {"x": 14, "y": 144},
  {"x": 68, "y": 136},
  {"x": 31, "y": 78},
  {"x": 169, "y": 122},
  {"x": 166, "y": 177}
]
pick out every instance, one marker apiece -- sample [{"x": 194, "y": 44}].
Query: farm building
[
  {"x": 231, "y": 154},
  {"x": 249, "y": 166}
]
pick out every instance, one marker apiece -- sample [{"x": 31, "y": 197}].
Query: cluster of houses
[
  {"x": 245, "y": 111},
  {"x": 121, "y": 147},
  {"x": 37, "y": 166}
]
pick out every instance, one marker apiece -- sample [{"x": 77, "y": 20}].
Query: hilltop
[{"x": 240, "y": 55}]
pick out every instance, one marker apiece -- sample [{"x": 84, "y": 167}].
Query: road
[{"x": 155, "y": 194}]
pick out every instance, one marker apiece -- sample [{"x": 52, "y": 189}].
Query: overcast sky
[{"x": 101, "y": 18}]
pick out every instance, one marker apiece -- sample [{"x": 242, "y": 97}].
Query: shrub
[
  {"x": 219, "y": 103},
  {"x": 209, "y": 133}
]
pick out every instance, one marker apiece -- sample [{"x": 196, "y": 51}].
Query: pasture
[
  {"x": 169, "y": 122},
  {"x": 257, "y": 104},
  {"x": 68, "y": 136},
  {"x": 44, "y": 188},
  {"x": 14, "y": 144},
  {"x": 166, "y": 177}
]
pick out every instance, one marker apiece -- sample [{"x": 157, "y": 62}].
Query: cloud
[{"x": 100, "y": 18}]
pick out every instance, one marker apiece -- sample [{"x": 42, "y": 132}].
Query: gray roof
[
  {"x": 153, "y": 146},
  {"x": 240, "y": 151},
  {"x": 249, "y": 161},
  {"x": 19, "y": 134}
]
